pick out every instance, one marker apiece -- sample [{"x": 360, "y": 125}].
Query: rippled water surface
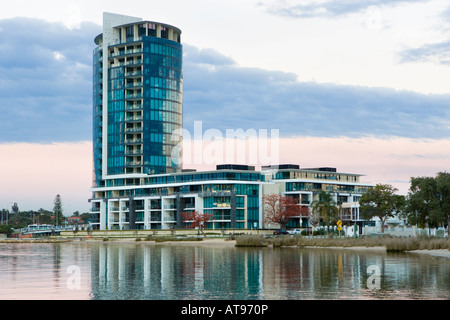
[{"x": 120, "y": 270}]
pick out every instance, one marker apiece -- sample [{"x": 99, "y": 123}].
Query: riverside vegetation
[{"x": 391, "y": 244}]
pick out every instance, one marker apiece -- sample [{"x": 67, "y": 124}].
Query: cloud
[
  {"x": 46, "y": 94},
  {"x": 391, "y": 160},
  {"x": 228, "y": 96},
  {"x": 45, "y": 80},
  {"x": 298, "y": 9},
  {"x": 388, "y": 160},
  {"x": 438, "y": 53},
  {"x": 206, "y": 56}
]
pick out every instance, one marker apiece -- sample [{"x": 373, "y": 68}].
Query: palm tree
[{"x": 325, "y": 207}]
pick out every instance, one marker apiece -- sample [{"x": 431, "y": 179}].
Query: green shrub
[
  {"x": 5, "y": 229},
  {"x": 251, "y": 241},
  {"x": 284, "y": 241},
  {"x": 172, "y": 238}
]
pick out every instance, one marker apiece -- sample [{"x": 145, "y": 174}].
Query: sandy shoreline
[
  {"x": 221, "y": 242},
  {"x": 204, "y": 242},
  {"x": 380, "y": 248},
  {"x": 439, "y": 252}
]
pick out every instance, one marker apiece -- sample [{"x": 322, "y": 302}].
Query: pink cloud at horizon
[
  {"x": 390, "y": 160},
  {"x": 32, "y": 174}
]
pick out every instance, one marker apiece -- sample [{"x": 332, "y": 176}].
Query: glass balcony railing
[
  {"x": 133, "y": 73},
  {"x": 134, "y": 118},
  {"x": 133, "y": 152},
  {"x": 134, "y": 129},
  {"x": 134, "y": 85},
  {"x": 133, "y": 107},
  {"x": 134, "y": 96},
  {"x": 133, "y": 140},
  {"x": 134, "y": 163}
]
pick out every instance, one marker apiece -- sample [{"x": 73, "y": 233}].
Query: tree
[
  {"x": 428, "y": 201},
  {"x": 21, "y": 220},
  {"x": 15, "y": 208},
  {"x": 194, "y": 219},
  {"x": 443, "y": 189},
  {"x": 57, "y": 210},
  {"x": 44, "y": 216},
  {"x": 281, "y": 209},
  {"x": 6, "y": 229},
  {"x": 382, "y": 202},
  {"x": 4, "y": 216},
  {"x": 85, "y": 216},
  {"x": 325, "y": 208}
]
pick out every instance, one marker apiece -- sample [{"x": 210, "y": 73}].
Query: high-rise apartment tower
[
  {"x": 137, "y": 107},
  {"x": 138, "y": 93}
]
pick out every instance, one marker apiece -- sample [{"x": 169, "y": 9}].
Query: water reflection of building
[
  {"x": 145, "y": 271},
  {"x": 169, "y": 272}
]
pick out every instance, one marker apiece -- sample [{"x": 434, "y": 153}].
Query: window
[
  {"x": 164, "y": 33},
  {"x": 240, "y": 214},
  {"x": 151, "y": 29},
  {"x": 141, "y": 30},
  {"x": 240, "y": 202},
  {"x": 130, "y": 33}
]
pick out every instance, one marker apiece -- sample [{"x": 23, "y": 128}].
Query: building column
[{"x": 233, "y": 210}]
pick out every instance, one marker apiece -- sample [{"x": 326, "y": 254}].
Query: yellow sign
[
  {"x": 339, "y": 223},
  {"x": 339, "y": 228}
]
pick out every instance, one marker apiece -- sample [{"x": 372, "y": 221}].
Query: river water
[{"x": 143, "y": 271}]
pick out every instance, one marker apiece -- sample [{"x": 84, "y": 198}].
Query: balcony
[
  {"x": 132, "y": 62},
  {"x": 136, "y": 106},
  {"x": 133, "y": 74},
  {"x": 126, "y": 52},
  {"x": 131, "y": 96},
  {"x": 133, "y": 85},
  {"x": 134, "y": 118},
  {"x": 134, "y": 163},
  {"x": 134, "y": 129},
  {"x": 133, "y": 152},
  {"x": 139, "y": 207},
  {"x": 169, "y": 218},
  {"x": 133, "y": 141}
]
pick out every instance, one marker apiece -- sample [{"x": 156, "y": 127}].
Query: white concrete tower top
[{"x": 111, "y": 20}]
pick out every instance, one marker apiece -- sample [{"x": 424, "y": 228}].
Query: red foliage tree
[
  {"x": 279, "y": 209},
  {"x": 196, "y": 219}
]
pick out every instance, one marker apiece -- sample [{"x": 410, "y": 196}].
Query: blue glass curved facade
[
  {"x": 143, "y": 100},
  {"x": 97, "y": 117}
]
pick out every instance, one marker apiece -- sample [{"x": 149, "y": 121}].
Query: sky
[{"x": 363, "y": 86}]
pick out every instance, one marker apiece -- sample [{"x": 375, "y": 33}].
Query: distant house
[{"x": 75, "y": 220}]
